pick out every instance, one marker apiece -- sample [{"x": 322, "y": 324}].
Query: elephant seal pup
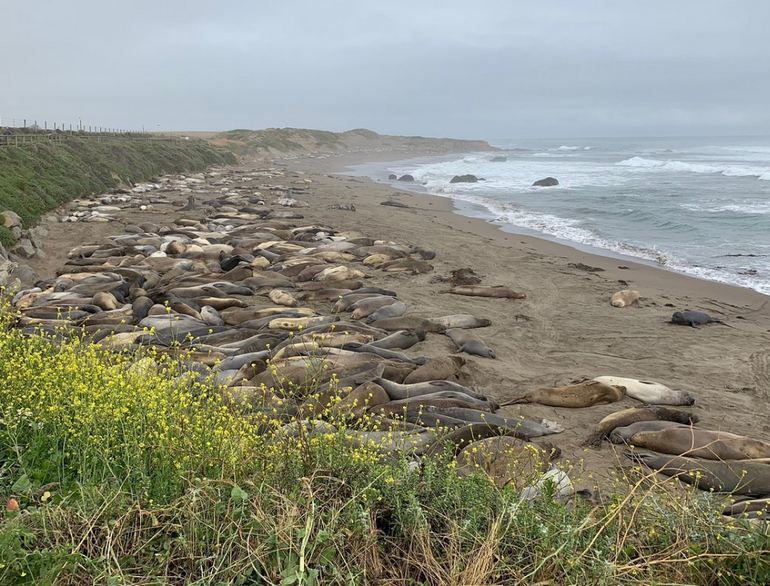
[
  {"x": 693, "y": 319},
  {"x": 624, "y": 435},
  {"x": 445, "y": 368},
  {"x": 626, "y": 417},
  {"x": 466, "y": 342},
  {"x": 701, "y": 443},
  {"x": 585, "y": 394},
  {"x": 400, "y": 391},
  {"x": 460, "y": 320},
  {"x": 742, "y": 477},
  {"x": 478, "y": 291},
  {"x": 401, "y": 339},
  {"x": 506, "y": 460},
  {"x": 625, "y": 298},
  {"x": 649, "y": 392}
]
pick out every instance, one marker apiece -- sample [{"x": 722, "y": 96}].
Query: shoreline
[{"x": 660, "y": 278}]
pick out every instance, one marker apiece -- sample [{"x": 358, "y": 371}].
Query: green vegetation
[
  {"x": 118, "y": 469},
  {"x": 35, "y": 179}
]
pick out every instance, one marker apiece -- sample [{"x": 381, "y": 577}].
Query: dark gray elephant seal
[
  {"x": 401, "y": 339},
  {"x": 737, "y": 476},
  {"x": 468, "y": 343},
  {"x": 399, "y": 391},
  {"x": 440, "y": 400},
  {"x": 693, "y": 319},
  {"x": 525, "y": 429},
  {"x": 626, "y": 417},
  {"x": 624, "y": 435},
  {"x": 462, "y": 436}
]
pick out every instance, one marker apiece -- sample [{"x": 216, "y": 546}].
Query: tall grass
[
  {"x": 38, "y": 178},
  {"x": 119, "y": 469}
]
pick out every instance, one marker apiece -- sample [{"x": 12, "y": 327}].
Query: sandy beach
[{"x": 565, "y": 330}]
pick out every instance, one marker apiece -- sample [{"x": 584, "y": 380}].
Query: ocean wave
[
  {"x": 683, "y": 166},
  {"x": 748, "y": 208}
]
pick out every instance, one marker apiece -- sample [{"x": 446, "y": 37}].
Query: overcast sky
[{"x": 487, "y": 69}]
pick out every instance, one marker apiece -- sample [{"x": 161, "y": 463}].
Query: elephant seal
[
  {"x": 525, "y": 429},
  {"x": 701, "y": 443},
  {"x": 105, "y": 300},
  {"x": 400, "y": 391},
  {"x": 585, "y": 394},
  {"x": 625, "y": 298},
  {"x": 478, "y": 291},
  {"x": 389, "y": 354},
  {"x": 360, "y": 399},
  {"x": 445, "y": 368},
  {"x": 624, "y": 435},
  {"x": 211, "y": 316},
  {"x": 462, "y": 436},
  {"x": 402, "y": 339},
  {"x": 742, "y": 477},
  {"x": 280, "y": 297},
  {"x": 759, "y": 507},
  {"x": 649, "y": 392},
  {"x": 506, "y": 460},
  {"x": 391, "y": 310},
  {"x": 693, "y": 319},
  {"x": 366, "y": 306},
  {"x": 460, "y": 320},
  {"x": 466, "y": 342},
  {"x": 407, "y": 323},
  {"x": 440, "y": 400},
  {"x": 626, "y": 417}
]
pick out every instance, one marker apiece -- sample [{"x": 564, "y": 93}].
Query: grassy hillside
[
  {"x": 37, "y": 178},
  {"x": 297, "y": 140}
]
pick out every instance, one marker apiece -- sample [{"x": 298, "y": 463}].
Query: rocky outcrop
[
  {"x": 546, "y": 182},
  {"x": 465, "y": 179}
]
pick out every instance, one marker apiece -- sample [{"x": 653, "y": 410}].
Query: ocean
[{"x": 699, "y": 206}]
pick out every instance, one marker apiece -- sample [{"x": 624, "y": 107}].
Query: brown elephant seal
[
  {"x": 468, "y": 343},
  {"x": 625, "y": 298},
  {"x": 743, "y": 477},
  {"x": 631, "y": 415},
  {"x": 623, "y": 435},
  {"x": 105, "y": 300},
  {"x": 701, "y": 443},
  {"x": 649, "y": 392},
  {"x": 444, "y": 368},
  {"x": 360, "y": 399},
  {"x": 585, "y": 394},
  {"x": 405, "y": 391},
  {"x": 506, "y": 460},
  {"x": 401, "y": 339},
  {"x": 478, "y": 291}
]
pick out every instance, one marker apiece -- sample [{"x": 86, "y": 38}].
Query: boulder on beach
[
  {"x": 546, "y": 182},
  {"x": 406, "y": 178},
  {"x": 499, "y": 159},
  {"x": 10, "y": 219},
  {"x": 465, "y": 179},
  {"x": 392, "y": 177}
]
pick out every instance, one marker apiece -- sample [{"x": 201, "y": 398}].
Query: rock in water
[
  {"x": 464, "y": 179},
  {"x": 392, "y": 177},
  {"x": 498, "y": 159},
  {"x": 546, "y": 182},
  {"x": 406, "y": 178}
]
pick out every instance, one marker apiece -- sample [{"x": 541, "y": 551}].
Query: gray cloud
[{"x": 491, "y": 68}]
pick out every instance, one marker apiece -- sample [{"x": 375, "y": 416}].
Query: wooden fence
[{"x": 20, "y": 140}]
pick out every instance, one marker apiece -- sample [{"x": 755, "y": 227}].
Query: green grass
[
  {"x": 35, "y": 179},
  {"x": 126, "y": 473}
]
